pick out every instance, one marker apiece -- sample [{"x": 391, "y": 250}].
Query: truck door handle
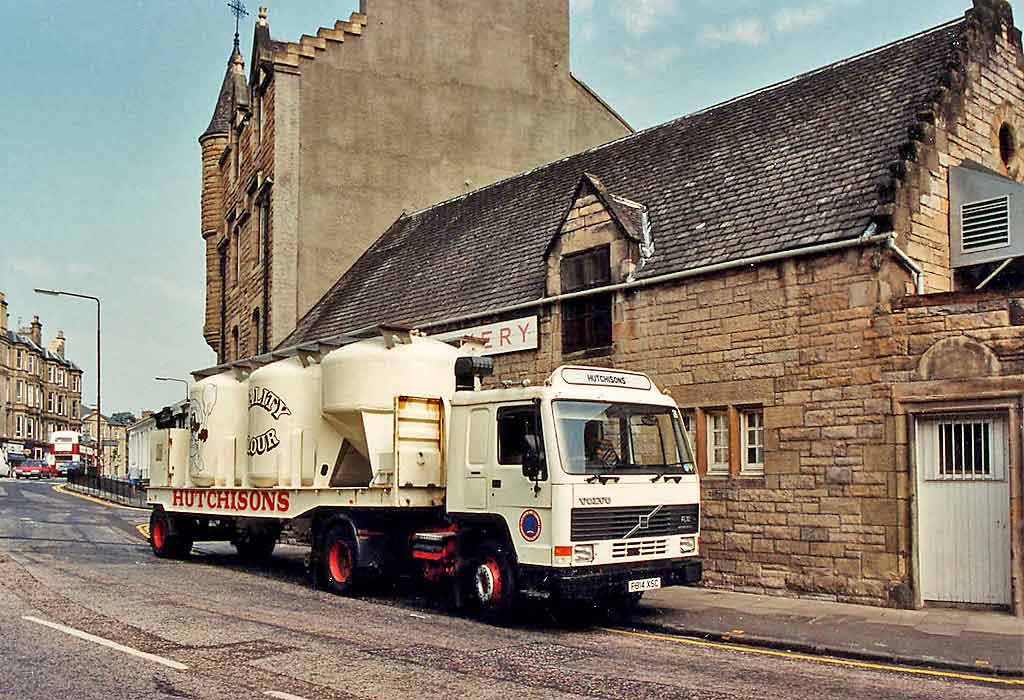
[
  {"x": 474, "y": 473},
  {"x": 496, "y": 483}
]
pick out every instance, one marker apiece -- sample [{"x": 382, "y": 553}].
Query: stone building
[
  {"x": 113, "y": 440},
  {"x": 40, "y": 389},
  {"x": 823, "y": 273},
  {"x": 326, "y": 141}
]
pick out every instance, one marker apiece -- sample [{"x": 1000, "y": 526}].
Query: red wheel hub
[
  {"x": 489, "y": 583},
  {"x": 159, "y": 534},
  {"x": 339, "y": 561}
]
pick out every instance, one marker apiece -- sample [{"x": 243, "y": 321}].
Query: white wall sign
[{"x": 502, "y": 337}]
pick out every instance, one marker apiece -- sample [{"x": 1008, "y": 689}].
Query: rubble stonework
[
  {"x": 337, "y": 134},
  {"x": 776, "y": 287}
]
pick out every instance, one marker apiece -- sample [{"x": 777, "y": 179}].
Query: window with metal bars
[
  {"x": 586, "y": 321},
  {"x": 965, "y": 449}
]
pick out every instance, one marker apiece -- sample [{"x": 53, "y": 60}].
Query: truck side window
[{"x": 514, "y": 424}]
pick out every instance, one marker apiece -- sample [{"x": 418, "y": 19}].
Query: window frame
[
  {"x": 591, "y": 313},
  {"x": 748, "y": 467},
  {"x": 715, "y": 468},
  {"x": 506, "y": 410}
]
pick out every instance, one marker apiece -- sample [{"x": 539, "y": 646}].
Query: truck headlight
[
  {"x": 583, "y": 554},
  {"x": 687, "y": 545}
]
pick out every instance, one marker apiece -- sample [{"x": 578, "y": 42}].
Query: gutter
[{"x": 884, "y": 238}]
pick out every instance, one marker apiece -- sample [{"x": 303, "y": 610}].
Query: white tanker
[{"x": 386, "y": 457}]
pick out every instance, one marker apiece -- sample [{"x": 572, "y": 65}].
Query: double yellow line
[
  {"x": 849, "y": 663},
  {"x": 62, "y": 488}
]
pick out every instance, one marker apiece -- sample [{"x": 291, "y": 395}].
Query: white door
[{"x": 963, "y": 491}]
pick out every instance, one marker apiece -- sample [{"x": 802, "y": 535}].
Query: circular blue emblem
[{"x": 529, "y": 525}]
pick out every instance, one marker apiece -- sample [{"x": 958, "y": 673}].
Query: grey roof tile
[{"x": 792, "y": 165}]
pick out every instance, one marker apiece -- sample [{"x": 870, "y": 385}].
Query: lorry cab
[{"x": 591, "y": 477}]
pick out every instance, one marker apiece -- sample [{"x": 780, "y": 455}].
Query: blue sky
[{"x": 103, "y": 102}]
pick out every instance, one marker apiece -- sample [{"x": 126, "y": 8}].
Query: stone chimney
[
  {"x": 37, "y": 331},
  {"x": 56, "y": 345},
  {"x": 3, "y": 312}
]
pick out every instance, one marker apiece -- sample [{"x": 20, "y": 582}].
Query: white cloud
[
  {"x": 642, "y": 62},
  {"x": 749, "y": 31},
  {"x": 32, "y": 266},
  {"x": 641, "y": 16},
  {"x": 791, "y": 19}
]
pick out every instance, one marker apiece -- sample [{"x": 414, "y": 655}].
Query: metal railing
[{"x": 110, "y": 489}]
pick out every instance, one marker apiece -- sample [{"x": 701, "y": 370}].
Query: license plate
[{"x": 644, "y": 584}]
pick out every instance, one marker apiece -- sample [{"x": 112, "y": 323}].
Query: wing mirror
[{"x": 534, "y": 467}]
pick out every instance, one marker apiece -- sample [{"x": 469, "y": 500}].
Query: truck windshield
[{"x": 596, "y": 438}]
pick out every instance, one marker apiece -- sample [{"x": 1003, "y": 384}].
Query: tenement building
[
  {"x": 325, "y": 141},
  {"x": 825, "y": 274},
  {"x": 113, "y": 442},
  {"x": 40, "y": 389}
]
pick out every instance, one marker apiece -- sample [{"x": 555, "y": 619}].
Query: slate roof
[
  {"x": 220, "y": 122},
  {"x": 15, "y": 338},
  {"x": 789, "y": 166}
]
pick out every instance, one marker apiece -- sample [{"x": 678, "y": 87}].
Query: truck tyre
[
  {"x": 164, "y": 540},
  {"x": 491, "y": 583},
  {"x": 255, "y": 547},
  {"x": 338, "y": 559}
]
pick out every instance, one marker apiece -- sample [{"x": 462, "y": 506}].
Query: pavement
[
  {"x": 87, "y": 612},
  {"x": 977, "y": 641}
]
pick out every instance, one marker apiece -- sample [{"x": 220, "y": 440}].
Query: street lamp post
[
  {"x": 99, "y": 435},
  {"x": 175, "y": 379}
]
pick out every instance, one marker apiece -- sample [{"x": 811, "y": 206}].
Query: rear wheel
[
  {"x": 338, "y": 559},
  {"x": 490, "y": 581},
  {"x": 168, "y": 538}
]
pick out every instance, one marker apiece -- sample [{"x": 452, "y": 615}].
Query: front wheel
[{"x": 490, "y": 580}]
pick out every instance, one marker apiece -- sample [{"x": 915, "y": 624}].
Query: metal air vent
[
  {"x": 984, "y": 209},
  {"x": 985, "y": 224}
]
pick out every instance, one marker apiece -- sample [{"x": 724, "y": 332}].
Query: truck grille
[
  {"x": 639, "y": 548},
  {"x": 621, "y": 523}
]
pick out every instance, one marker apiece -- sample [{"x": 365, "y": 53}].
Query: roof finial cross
[{"x": 237, "y": 8}]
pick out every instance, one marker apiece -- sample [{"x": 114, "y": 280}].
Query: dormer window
[{"x": 586, "y": 320}]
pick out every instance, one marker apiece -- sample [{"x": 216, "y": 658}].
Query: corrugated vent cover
[{"x": 986, "y": 224}]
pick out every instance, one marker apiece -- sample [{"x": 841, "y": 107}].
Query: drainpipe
[{"x": 910, "y": 264}]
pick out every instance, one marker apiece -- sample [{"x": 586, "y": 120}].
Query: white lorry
[{"x": 387, "y": 457}]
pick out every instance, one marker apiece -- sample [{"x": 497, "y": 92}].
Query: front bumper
[{"x": 588, "y": 582}]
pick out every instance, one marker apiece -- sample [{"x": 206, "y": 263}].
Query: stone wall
[
  {"x": 799, "y": 339},
  {"x": 985, "y": 89}
]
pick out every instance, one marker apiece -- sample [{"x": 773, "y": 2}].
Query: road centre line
[
  {"x": 282, "y": 696},
  {"x": 821, "y": 659},
  {"x": 170, "y": 663}
]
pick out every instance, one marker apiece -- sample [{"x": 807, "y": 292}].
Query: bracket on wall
[{"x": 995, "y": 273}]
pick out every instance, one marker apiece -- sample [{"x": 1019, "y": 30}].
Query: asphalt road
[{"x": 211, "y": 628}]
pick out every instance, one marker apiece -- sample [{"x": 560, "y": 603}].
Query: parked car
[{"x": 32, "y": 469}]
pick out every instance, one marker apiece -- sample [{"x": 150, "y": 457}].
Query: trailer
[{"x": 387, "y": 458}]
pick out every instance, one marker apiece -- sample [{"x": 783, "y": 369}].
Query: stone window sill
[{"x": 589, "y": 352}]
